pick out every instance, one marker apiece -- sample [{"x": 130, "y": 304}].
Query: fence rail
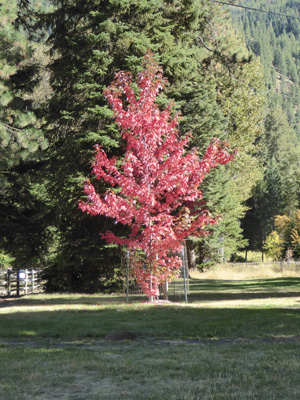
[
  {"x": 258, "y": 264},
  {"x": 15, "y": 283}
]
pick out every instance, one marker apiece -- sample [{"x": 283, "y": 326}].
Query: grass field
[{"x": 235, "y": 339}]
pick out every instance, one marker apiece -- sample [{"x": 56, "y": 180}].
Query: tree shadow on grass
[
  {"x": 150, "y": 323},
  {"x": 219, "y": 290},
  {"x": 74, "y": 299},
  {"x": 274, "y": 283},
  {"x": 215, "y": 296}
]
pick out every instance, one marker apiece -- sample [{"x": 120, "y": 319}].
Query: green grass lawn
[{"x": 233, "y": 340}]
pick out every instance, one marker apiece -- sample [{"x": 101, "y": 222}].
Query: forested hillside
[
  {"x": 58, "y": 57},
  {"x": 275, "y": 40}
]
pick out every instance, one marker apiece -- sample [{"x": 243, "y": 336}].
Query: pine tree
[
  {"x": 276, "y": 192},
  {"x": 21, "y": 143},
  {"x": 281, "y": 142},
  {"x": 92, "y": 40},
  {"x": 20, "y": 137},
  {"x": 242, "y": 99}
]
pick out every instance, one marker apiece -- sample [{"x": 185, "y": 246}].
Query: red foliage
[{"x": 158, "y": 184}]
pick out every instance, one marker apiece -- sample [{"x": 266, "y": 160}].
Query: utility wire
[{"x": 254, "y": 9}]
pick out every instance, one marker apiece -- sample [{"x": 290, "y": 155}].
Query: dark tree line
[
  {"x": 71, "y": 50},
  {"x": 275, "y": 40}
]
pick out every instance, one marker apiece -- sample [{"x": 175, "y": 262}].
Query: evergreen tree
[
  {"x": 280, "y": 44},
  {"x": 21, "y": 142},
  {"x": 242, "y": 100},
  {"x": 276, "y": 192},
  {"x": 96, "y": 44},
  {"x": 93, "y": 40},
  {"x": 279, "y": 149},
  {"x": 20, "y": 137}
]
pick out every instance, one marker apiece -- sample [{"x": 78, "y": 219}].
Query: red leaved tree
[{"x": 158, "y": 193}]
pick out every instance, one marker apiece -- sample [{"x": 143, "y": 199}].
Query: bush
[{"x": 205, "y": 266}]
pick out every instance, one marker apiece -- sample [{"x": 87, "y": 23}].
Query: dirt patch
[
  {"x": 130, "y": 336},
  {"x": 119, "y": 336},
  {"x": 230, "y": 341}
]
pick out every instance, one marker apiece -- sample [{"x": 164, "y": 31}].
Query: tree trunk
[
  {"x": 166, "y": 287},
  {"x": 191, "y": 255},
  {"x": 151, "y": 286}
]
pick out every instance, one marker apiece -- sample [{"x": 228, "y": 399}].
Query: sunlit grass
[{"x": 253, "y": 256}]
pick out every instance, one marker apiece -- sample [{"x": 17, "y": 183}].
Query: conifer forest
[{"x": 231, "y": 73}]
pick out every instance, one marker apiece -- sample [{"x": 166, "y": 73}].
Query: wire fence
[
  {"x": 260, "y": 264},
  {"x": 176, "y": 288}
]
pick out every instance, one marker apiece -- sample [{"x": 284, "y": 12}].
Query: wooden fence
[{"x": 16, "y": 283}]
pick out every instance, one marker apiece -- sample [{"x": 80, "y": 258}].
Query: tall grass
[{"x": 241, "y": 271}]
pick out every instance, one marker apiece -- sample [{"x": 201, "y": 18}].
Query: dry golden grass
[{"x": 242, "y": 271}]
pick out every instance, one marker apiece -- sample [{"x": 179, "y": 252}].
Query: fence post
[
  {"x": 184, "y": 263},
  {"x": 26, "y": 281},
  {"x": 32, "y": 280},
  {"x": 18, "y": 283},
  {"x": 127, "y": 279},
  {"x": 9, "y": 272}
]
